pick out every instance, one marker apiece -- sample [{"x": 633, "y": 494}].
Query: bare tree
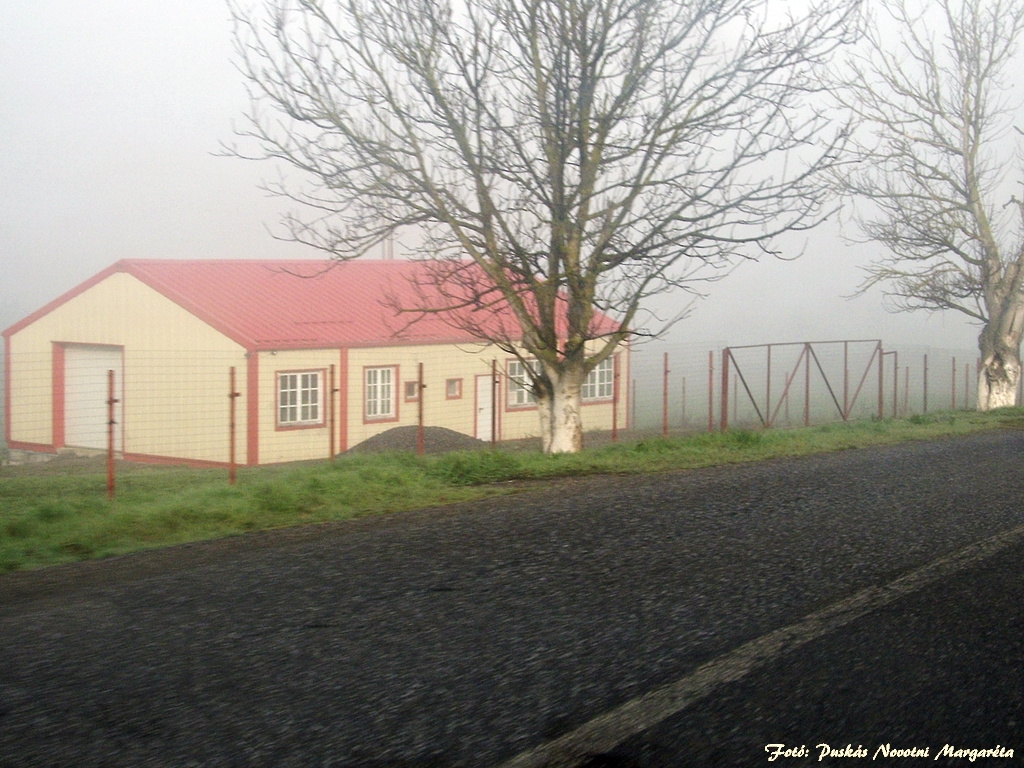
[
  {"x": 936, "y": 164},
  {"x": 564, "y": 159}
]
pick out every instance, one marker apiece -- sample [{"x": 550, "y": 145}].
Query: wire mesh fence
[
  {"x": 229, "y": 409},
  {"x": 277, "y": 406},
  {"x": 680, "y": 387}
]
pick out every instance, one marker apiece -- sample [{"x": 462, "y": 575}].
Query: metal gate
[{"x": 767, "y": 407}]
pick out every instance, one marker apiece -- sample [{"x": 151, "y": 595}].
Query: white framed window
[
  {"x": 600, "y": 383},
  {"x": 453, "y": 389},
  {"x": 299, "y": 398},
  {"x": 412, "y": 391},
  {"x": 520, "y": 391},
  {"x": 380, "y": 393}
]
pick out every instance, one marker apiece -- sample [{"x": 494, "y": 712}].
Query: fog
[{"x": 111, "y": 115}]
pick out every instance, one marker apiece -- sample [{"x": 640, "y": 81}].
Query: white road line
[{"x": 610, "y": 729}]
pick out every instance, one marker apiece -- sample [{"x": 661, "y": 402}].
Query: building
[{"x": 259, "y": 362}]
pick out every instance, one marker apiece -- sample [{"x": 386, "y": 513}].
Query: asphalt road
[
  {"x": 937, "y": 674},
  {"x": 491, "y": 632}
]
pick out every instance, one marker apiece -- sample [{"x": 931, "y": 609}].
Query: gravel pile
[{"x": 435, "y": 440}]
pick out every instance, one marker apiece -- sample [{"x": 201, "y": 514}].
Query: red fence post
[
  {"x": 615, "y": 399},
  {"x": 111, "y": 401},
  {"x": 419, "y": 402},
  {"x": 232, "y": 425},
  {"x": 330, "y": 411},
  {"x": 494, "y": 403}
]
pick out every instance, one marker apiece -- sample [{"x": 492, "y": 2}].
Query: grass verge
[{"x": 47, "y": 519}]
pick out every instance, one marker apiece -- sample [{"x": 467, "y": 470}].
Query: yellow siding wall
[
  {"x": 295, "y": 443},
  {"x": 440, "y": 363},
  {"x": 176, "y": 377},
  {"x": 519, "y": 422},
  {"x": 465, "y": 362},
  {"x": 29, "y": 388},
  {"x": 176, "y": 382}
]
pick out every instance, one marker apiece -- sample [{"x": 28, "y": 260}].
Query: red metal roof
[{"x": 302, "y": 304}]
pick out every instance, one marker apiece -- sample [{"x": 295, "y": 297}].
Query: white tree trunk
[
  {"x": 999, "y": 342},
  {"x": 544, "y": 412},
  {"x": 566, "y": 420},
  {"x": 998, "y": 380},
  {"x": 561, "y": 418}
]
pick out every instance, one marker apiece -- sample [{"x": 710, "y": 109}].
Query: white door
[
  {"x": 484, "y": 408},
  {"x": 86, "y": 395}
]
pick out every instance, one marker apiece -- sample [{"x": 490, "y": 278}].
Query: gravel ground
[
  {"x": 435, "y": 440},
  {"x": 461, "y": 636},
  {"x": 441, "y": 440}
]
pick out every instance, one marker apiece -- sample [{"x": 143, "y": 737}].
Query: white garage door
[{"x": 86, "y": 414}]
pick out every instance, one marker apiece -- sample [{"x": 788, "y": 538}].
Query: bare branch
[
  {"x": 929, "y": 164},
  {"x": 582, "y": 155}
]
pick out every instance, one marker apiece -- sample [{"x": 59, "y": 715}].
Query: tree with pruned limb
[
  {"x": 566, "y": 160},
  {"x": 936, "y": 168}
]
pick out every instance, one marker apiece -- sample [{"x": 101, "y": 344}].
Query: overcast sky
[{"x": 111, "y": 112}]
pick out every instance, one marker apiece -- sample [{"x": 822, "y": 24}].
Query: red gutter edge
[
  {"x": 57, "y": 396},
  {"x": 174, "y": 461},
  {"x": 19, "y": 445}
]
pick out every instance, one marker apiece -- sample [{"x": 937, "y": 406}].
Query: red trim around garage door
[{"x": 57, "y": 395}]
